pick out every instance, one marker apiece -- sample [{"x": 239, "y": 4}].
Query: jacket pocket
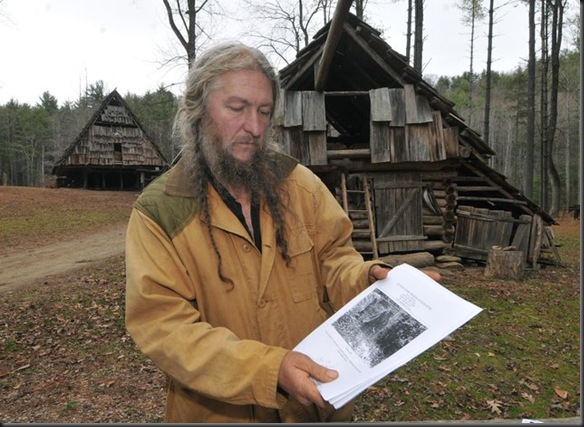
[{"x": 303, "y": 279}]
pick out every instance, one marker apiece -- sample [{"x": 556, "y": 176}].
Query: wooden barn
[
  {"x": 403, "y": 163},
  {"x": 112, "y": 152}
]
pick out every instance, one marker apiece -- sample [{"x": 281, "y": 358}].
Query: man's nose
[{"x": 255, "y": 123}]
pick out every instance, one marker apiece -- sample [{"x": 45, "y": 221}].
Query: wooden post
[
  {"x": 504, "y": 264},
  {"x": 330, "y": 45}
]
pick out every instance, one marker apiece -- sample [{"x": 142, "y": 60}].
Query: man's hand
[
  {"x": 295, "y": 375},
  {"x": 378, "y": 272}
]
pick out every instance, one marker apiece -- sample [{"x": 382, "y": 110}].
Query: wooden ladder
[{"x": 366, "y": 194}]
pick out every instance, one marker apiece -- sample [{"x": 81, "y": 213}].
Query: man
[{"x": 235, "y": 255}]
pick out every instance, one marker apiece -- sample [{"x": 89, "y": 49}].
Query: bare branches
[
  {"x": 291, "y": 24},
  {"x": 192, "y": 23}
]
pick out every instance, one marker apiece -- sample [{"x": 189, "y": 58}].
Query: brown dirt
[
  {"x": 56, "y": 231},
  {"x": 36, "y": 265}
]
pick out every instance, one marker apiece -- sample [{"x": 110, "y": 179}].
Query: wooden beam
[
  {"x": 379, "y": 61},
  {"x": 492, "y": 199},
  {"x": 462, "y": 189},
  {"x": 331, "y": 43},
  {"x": 349, "y": 154},
  {"x": 347, "y": 93}
]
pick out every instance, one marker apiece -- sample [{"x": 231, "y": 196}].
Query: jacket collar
[{"x": 180, "y": 184}]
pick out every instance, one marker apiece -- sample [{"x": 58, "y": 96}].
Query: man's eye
[
  {"x": 236, "y": 109},
  {"x": 266, "y": 112}
]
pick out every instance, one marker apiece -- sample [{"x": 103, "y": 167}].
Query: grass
[
  {"x": 519, "y": 358},
  {"x": 35, "y": 215},
  {"x": 66, "y": 357}
]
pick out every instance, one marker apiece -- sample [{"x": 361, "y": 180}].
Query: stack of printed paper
[{"x": 381, "y": 329}]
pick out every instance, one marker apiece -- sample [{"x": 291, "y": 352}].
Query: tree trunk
[
  {"x": 359, "y": 8},
  {"x": 487, "y": 119},
  {"x": 409, "y": 32},
  {"x": 530, "y": 137},
  {"x": 418, "y": 34},
  {"x": 556, "y": 30},
  {"x": 471, "y": 69},
  {"x": 543, "y": 186},
  {"x": 503, "y": 264}
]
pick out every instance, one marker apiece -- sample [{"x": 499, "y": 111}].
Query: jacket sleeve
[
  {"x": 342, "y": 268},
  {"x": 162, "y": 318}
]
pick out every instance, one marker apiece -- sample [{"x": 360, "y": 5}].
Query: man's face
[{"x": 239, "y": 111}]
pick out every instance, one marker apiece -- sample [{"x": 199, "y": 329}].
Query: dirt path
[{"x": 33, "y": 266}]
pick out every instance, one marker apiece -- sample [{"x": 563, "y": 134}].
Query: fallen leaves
[
  {"x": 67, "y": 358},
  {"x": 561, "y": 393},
  {"x": 528, "y": 397},
  {"x": 528, "y": 382},
  {"x": 494, "y": 406}
]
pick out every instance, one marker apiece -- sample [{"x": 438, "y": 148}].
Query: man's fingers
[
  {"x": 434, "y": 275},
  {"x": 296, "y": 377},
  {"x": 316, "y": 371},
  {"x": 321, "y": 373},
  {"x": 313, "y": 369}
]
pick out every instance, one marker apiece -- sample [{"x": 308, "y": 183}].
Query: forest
[{"x": 529, "y": 117}]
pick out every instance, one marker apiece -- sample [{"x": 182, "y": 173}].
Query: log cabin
[{"x": 411, "y": 174}]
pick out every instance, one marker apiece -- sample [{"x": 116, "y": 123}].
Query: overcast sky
[{"x": 61, "y": 45}]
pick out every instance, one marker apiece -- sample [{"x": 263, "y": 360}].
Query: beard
[
  {"x": 207, "y": 158},
  {"x": 225, "y": 167}
]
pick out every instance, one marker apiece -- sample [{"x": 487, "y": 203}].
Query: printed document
[{"x": 385, "y": 326}]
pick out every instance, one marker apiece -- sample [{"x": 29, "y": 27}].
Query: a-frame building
[{"x": 112, "y": 151}]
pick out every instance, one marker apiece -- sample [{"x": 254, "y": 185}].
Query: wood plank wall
[
  {"x": 96, "y": 147},
  {"x": 403, "y": 127}
]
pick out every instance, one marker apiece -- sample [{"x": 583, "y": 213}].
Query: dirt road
[{"x": 33, "y": 266}]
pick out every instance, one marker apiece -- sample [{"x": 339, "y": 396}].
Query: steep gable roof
[{"x": 113, "y": 111}]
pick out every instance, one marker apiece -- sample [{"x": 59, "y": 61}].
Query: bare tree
[
  {"x": 557, "y": 11},
  {"x": 291, "y": 24},
  {"x": 409, "y": 31},
  {"x": 360, "y": 8},
  {"x": 472, "y": 13},
  {"x": 488, "y": 74},
  {"x": 418, "y": 34},
  {"x": 544, "y": 60},
  {"x": 530, "y": 137},
  {"x": 191, "y": 23}
]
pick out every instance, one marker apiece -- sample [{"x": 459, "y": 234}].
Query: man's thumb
[{"x": 322, "y": 374}]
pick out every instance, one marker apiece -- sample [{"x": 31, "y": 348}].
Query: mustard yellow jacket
[{"x": 221, "y": 346}]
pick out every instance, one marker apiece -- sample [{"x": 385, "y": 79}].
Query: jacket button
[
  {"x": 246, "y": 247},
  {"x": 262, "y": 303}
]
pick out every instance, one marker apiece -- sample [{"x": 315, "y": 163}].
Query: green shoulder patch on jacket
[{"x": 172, "y": 213}]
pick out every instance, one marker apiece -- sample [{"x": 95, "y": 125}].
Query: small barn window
[{"x": 117, "y": 152}]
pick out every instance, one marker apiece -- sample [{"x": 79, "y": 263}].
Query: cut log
[
  {"x": 416, "y": 259},
  {"x": 436, "y": 245},
  {"x": 431, "y": 219},
  {"x": 503, "y": 264},
  {"x": 450, "y": 265},
  {"x": 448, "y": 258},
  {"x": 433, "y": 230}
]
